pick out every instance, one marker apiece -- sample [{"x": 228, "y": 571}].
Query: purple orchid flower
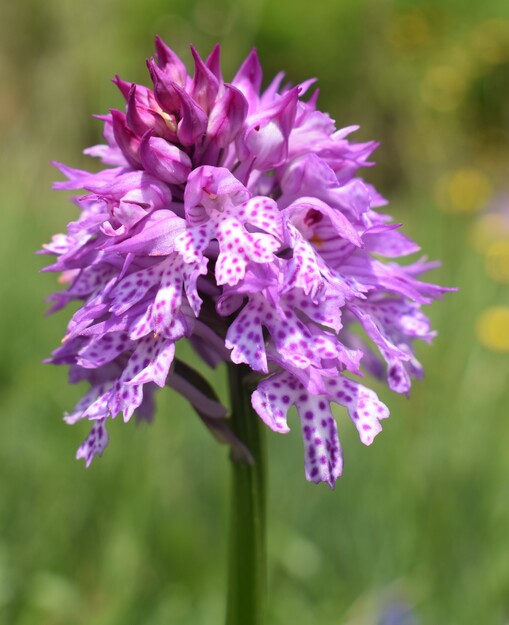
[{"x": 233, "y": 217}]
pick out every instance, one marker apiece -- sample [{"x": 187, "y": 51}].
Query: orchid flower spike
[{"x": 234, "y": 217}]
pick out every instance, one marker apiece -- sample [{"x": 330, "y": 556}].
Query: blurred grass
[{"x": 140, "y": 537}]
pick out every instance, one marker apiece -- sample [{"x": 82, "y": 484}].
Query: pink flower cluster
[{"x": 233, "y": 217}]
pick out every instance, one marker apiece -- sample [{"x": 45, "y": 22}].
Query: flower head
[{"x": 233, "y": 217}]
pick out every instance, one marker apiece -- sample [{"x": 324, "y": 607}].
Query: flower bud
[
  {"x": 249, "y": 79},
  {"x": 266, "y": 138},
  {"x": 165, "y": 90},
  {"x": 164, "y": 160},
  {"x": 205, "y": 85},
  {"x": 213, "y": 62},
  {"x": 123, "y": 86},
  {"x": 211, "y": 189},
  {"x": 127, "y": 141},
  {"x": 141, "y": 117},
  {"x": 227, "y": 116},
  {"x": 193, "y": 122},
  {"x": 170, "y": 63}
]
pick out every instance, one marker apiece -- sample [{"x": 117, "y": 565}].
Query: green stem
[{"x": 247, "y": 562}]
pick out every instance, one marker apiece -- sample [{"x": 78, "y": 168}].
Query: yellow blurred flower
[
  {"x": 497, "y": 260},
  {"x": 487, "y": 229},
  {"x": 463, "y": 191},
  {"x": 409, "y": 30},
  {"x": 443, "y": 87},
  {"x": 490, "y": 40},
  {"x": 493, "y": 328}
]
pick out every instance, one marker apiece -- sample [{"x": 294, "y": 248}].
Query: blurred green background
[{"x": 422, "y": 517}]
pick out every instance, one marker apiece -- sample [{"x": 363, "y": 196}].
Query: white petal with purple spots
[
  {"x": 95, "y": 443},
  {"x": 273, "y": 398},
  {"x": 323, "y": 457},
  {"x": 363, "y": 405},
  {"x": 150, "y": 362}
]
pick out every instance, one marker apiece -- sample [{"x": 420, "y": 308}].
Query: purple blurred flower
[
  {"x": 233, "y": 217},
  {"x": 398, "y": 613}
]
